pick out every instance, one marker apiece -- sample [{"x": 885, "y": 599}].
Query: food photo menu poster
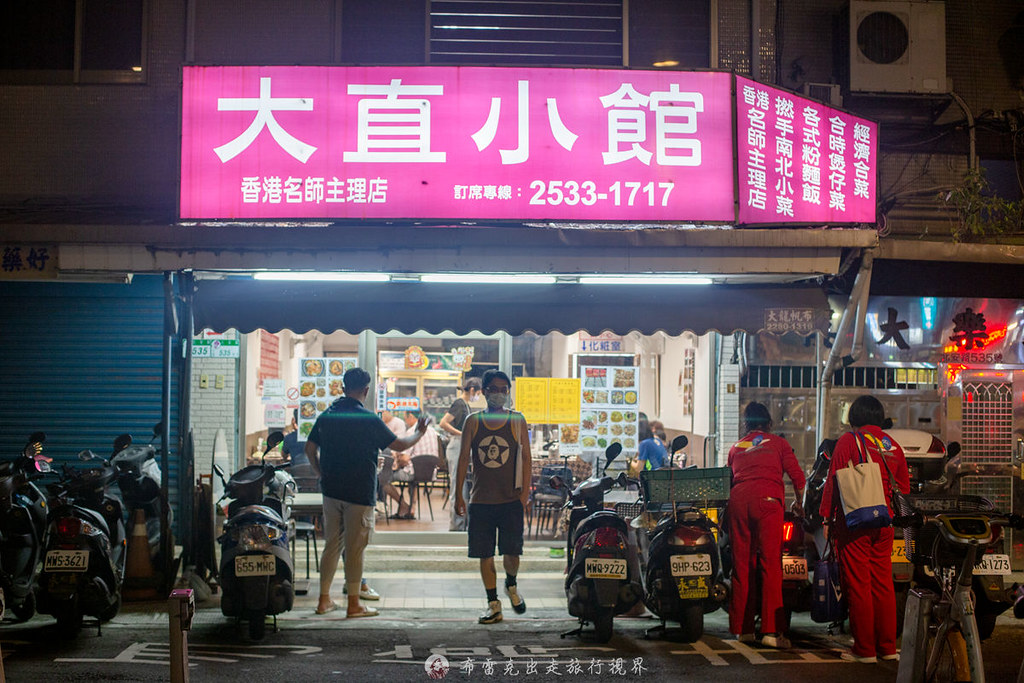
[
  {"x": 319, "y": 386},
  {"x": 609, "y": 411}
]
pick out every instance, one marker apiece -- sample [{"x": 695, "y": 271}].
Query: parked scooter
[
  {"x": 139, "y": 480},
  {"x": 602, "y": 571},
  {"x": 255, "y": 567},
  {"x": 23, "y": 511},
  {"x": 679, "y": 552},
  {"x": 85, "y": 554}
]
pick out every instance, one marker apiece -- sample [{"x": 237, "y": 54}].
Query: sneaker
[
  {"x": 518, "y": 604},
  {"x": 365, "y": 592},
  {"x": 850, "y": 657},
  {"x": 746, "y": 637},
  {"x": 493, "y": 613},
  {"x": 777, "y": 641},
  {"x": 894, "y": 657}
]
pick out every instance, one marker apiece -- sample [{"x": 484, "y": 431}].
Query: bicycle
[{"x": 941, "y": 638}]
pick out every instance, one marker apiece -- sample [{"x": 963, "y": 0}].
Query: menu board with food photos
[
  {"x": 609, "y": 411},
  {"x": 319, "y": 386}
]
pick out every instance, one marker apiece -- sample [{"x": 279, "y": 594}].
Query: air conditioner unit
[
  {"x": 897, "y": 47},
  {"x": 828, "y": 93}
]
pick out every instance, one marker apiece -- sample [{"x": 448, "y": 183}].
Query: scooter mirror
[
  {"x": 610, "y": 454},
  {"x": 273, "y": 440},
  {"x": 622, "y": 480},
  {"x": 556, "y": 482},
  {"x": 86, "y": 455},
  {"x": 157, "y": 429},
  {"x": 679, "y": 443},
  {"x": 122, "y": 442},
  {"x": 37, "y": 437},
  {"x": 952, "y": 450}
]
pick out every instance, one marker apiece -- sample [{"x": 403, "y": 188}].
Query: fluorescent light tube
[
  {"x": 645, "y": 280},
  {"x": 310, "y": 276},
  {"x": 489, "y": 278}
]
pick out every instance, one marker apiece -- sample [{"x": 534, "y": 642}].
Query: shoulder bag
[{"x": 861, "y": 491}]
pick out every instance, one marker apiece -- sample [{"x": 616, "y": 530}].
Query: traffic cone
[{"x": 139, "y": 577}]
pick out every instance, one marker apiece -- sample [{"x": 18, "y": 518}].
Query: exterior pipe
[
  {"x": 972, "y": 158},
  {"x": 858, "y": 298}
]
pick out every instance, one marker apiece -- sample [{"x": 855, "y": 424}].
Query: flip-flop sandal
[
  {"x": 408, "y": 515},
  {"x": 330, "y": 608},
  {"x": 367, "y": 612}
]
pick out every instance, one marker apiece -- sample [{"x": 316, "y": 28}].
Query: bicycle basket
[
  {"x": 628, "y": 511},
  {"x": 709, "y": 485},
  {"x": 920, "y": 543}
]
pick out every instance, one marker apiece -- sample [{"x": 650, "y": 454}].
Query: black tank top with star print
[{"x": 495, "y": 456}]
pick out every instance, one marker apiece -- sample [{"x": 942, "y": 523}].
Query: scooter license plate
[
  {"x": 794, "y": 569},
  {"x": 690, "y": 565},
  {"x": 604, "y": 568},
  {"x": 255, "y": 565},
  {"x": 993, "y": 565},
  {"x": 66, "y": 561},
  {"x": 693, "y": 588},
  {"x": 899, "y": 551}
]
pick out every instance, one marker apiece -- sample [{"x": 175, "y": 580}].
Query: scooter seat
[{"x": 256, "y": 513}]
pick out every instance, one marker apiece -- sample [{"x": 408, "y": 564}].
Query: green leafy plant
[{"x": 980, "y": 212}]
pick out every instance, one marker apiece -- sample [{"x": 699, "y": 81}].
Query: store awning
[{"x": 407, "y": 307}]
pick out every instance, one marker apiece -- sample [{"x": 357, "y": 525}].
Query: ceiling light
[
  {"x": 667, "y": 62},
  {"x": 309, "y": 276},
  {"x": 644, "y": 280},
  {"x": 489, "y": 278}
]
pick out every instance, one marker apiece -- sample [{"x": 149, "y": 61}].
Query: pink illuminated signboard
[
  {"x": 456, "y": 143},
  {"x": 801, "y": 161}
]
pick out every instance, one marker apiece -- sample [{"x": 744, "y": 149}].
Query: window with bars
[
  {"x": 987, "y": 438},
  {"x": 806, "y": 377},
  {"x": 583, "y": 33}
]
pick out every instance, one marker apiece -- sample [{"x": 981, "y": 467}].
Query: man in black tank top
[{"x": 498, "y": 442}]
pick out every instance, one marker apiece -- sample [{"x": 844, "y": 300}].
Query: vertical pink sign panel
[
  {"x": 456, "y": 143},
  {"x": 801, "y": 161}
]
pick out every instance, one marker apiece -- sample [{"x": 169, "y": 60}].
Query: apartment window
[
  {"x": 566, "y": 33},
  {"x": 73, "y": 41}
]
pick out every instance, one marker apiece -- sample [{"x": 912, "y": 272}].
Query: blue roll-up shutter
[{"x": 83, "y": 363}]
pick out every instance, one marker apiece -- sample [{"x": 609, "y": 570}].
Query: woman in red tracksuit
[
  {"x": 756, "y": 508},
  {"x": 865, "y": 555}
]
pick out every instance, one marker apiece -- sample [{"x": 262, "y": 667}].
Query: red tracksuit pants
[
  {"x": 865, "y": 563},
  {"x": 755, "y": 531}
]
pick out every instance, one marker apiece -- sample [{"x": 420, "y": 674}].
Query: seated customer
[{"x": 401, "y": 466}]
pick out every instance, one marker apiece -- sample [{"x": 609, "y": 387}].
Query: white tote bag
[{"x": 861, "y": 492}]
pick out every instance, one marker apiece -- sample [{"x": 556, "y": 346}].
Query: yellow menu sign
[
  {"x": 564, "y": 401},
  {"x": 548, "y": 400},
  {"x": 532, "y": 398}
]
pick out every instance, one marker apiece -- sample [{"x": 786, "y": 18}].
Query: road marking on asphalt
[
  {"x": 757, "y": 656},
  {"x": 159, "y": 653}
]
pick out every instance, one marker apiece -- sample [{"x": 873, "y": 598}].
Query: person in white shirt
[{"x": 401, "y": 466}]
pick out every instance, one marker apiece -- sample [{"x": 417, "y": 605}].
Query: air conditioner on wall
[{"x": 897, "y": 47}]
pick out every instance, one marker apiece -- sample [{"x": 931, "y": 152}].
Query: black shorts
[{"x": 505, "y": 519}]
